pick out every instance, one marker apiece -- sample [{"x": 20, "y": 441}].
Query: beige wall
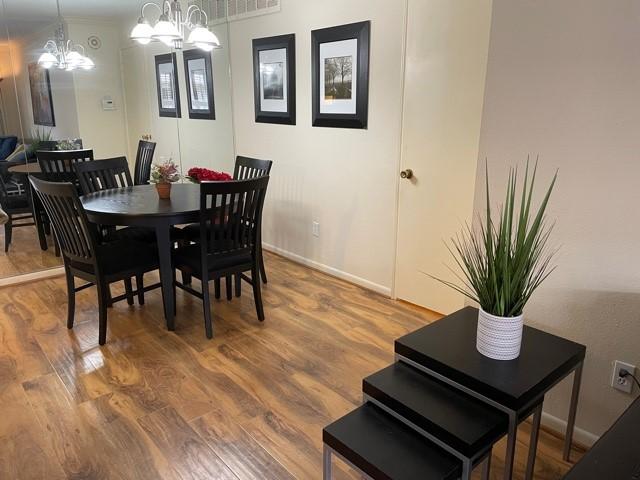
[
  {"x": 10, "y": 112},
  {"x": 562, "y": 82},
  {"x": 344, "y": 179}
]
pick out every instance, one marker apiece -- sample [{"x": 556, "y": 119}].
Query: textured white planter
[{"x": 499, "y": 337}]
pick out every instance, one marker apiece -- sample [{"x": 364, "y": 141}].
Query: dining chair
[
  {"x": 18, "y": 209},
  {"x": 144, "y": 159},
  {"x": 103, "y": 174},
  {"x": 58, "y": 165},
  {"x": 85, "y": 258},
  {"x": 230, "y": 218}
]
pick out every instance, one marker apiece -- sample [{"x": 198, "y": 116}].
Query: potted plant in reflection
[
  {"x": 163, "y": 175},
  {"x": 504, "y": 264}
]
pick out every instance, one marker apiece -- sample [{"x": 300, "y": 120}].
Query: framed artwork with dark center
[
  {"x": 198, "y": 75},
  {"x": 41, "y": 99},
  {"x": 340, "y": 75},
  {"x": 167, "y": 85},
  {"x": 274, "y": 79}
]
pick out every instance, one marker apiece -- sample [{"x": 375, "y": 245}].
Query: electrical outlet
[
  {"x": 315, "y": 229},
  {"x": 624, "y": 384}
]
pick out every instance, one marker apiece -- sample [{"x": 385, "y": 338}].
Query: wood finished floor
[
  {"x": 24, "y": 255},
  {"x": 249, "y": 404}
]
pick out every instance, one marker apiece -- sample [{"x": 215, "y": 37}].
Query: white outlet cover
[{"x": 627, "y": 385}]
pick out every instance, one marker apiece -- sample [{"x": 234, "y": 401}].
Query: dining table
[{"x": 140, "y": 206}]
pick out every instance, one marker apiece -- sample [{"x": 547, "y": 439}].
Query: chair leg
[
  {"x": 39, "y": 221},
  {"x": 238, "y": 280},
  {"x": 257, "y": 295},
  {"x": 206, "y": 304},
  {"x": 263, "y": 271},
  {"x": 71, "y": 298},
  {"x": 56, "y": 246},
  {"x": 8, "y": 230},
  {"x": 128, "y": 289},
  {"x": 186, "y": 278},
  {"x": 216, "y": 288},
  {"x": 140, "y": 288},
  {"x": 228, "y": 286},
  {"x": 103, "y": 299}
]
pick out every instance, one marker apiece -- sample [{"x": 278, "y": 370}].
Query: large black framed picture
[
  {"x": 41, "y": 99},
  {"x": 340, "y": 75},
  {"x": 198, "y": 76},
  {"x": 274, "y": 79},
  {"x": 167, "y": 85}
]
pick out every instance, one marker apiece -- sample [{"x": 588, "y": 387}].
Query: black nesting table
[{"x": 446, "y": 349}]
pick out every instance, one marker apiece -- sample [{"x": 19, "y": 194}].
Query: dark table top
[
  {"x": 448, "y": 347},
  {"x": 141, "y": 205},
  {"x": 616, "y": 455}
]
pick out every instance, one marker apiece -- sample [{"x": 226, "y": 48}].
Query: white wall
[
  {"x": 10, "y": 113},
  {"x": 344, "y": 179},
  {"x": 563, "y": 83}
]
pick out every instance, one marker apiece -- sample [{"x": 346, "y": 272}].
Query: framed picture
[
  {"x": 41, "y": 99},
  {"x": 274, "y": 79},
  {"x": 199, "y": 78},
  {"x": 340, "y": 75},
  {"x": 167, "y": 85}
]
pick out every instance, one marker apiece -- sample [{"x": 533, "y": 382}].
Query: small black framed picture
[
  {"x": 274, "y": 79},
  {"x": 340, "y": 75},
  {"x": 198, "y": 76},
  {"x": 167, "y": 85}
]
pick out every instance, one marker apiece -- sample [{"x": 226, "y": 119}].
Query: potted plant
[
  {"x": 198, "y": 175},
  {"x": 503, "y": 265},
  {"x": 163, "y": 175},
  {"x": 38, "y": 135}
]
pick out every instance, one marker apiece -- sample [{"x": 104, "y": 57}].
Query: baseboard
[
  {"x": 584, "y": 438},
  {"x": 386, "y": 291},
  {"x": 32, "y": 276}
]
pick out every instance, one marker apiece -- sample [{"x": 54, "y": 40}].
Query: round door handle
[{"x": 408, "y": 173}]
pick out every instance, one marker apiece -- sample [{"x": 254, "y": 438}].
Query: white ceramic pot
[{"x": 499, "y": 337}]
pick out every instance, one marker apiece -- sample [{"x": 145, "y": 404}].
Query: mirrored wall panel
[{"x": 113, "y": 79}]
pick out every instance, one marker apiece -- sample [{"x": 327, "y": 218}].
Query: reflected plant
[
  {"x": 39, "y": 135},
  {"x": 166, "y": 172}
]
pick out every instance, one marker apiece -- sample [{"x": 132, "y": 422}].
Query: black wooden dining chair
[
  {"x": 230, "y": 217},
  {"x": 18, "y": 208},
  {"x": 58, "y": 165},
  {"x": 103, "y": 174},
  {"x": 144, "y": 159},
  {"x": 84, "y": 257}
]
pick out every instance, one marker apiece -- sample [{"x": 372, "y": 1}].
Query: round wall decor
[{"x": 94, "y": 42}]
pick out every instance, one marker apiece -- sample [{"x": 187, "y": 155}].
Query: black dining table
[{"x": 140, "y": 206}]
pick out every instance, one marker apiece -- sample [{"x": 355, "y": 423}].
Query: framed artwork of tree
[{"x": 340, "y": 75}]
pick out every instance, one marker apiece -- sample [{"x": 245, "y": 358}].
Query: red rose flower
[{"x": 197, "y": 175}]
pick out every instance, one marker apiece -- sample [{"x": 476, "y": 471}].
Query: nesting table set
[{"x": 439, "y": 409}]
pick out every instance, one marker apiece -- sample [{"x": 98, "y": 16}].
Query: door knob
[{"x": 408, "y": 173}]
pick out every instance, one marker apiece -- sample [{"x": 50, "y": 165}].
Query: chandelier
[
  {"x": 62, "y": 53},
  {"x": 171, "y": 26}
]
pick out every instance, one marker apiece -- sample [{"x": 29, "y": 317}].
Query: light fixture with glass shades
[
  {"x": 171, "y": 26},
  {"x": 62, "y": 53}
]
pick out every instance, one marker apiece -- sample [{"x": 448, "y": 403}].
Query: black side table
[{"x": 446, "y": 349}]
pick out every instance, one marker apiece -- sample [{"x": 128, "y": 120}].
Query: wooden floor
[
  {"x": 249, "y": 404},
  {"x": 24, "y": 255}
]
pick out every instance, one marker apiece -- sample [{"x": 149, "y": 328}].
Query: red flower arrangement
[{"x": 198, "y": 175}]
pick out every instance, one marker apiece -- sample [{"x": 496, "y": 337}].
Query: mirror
[{"x": 124, "y": 94}]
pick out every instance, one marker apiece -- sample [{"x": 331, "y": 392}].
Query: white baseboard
[
  {"x": 581, "y": 436},
  {"x": 32, "y": 276},
  {"x": 386, "y": 291}
]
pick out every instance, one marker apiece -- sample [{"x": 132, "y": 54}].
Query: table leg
[
  {"x": 486, "y": 468},
  {"x": 533, "y": 442},
  {"x": 166, "y": 273},
  {"x": 511, "y": 445},
  {"x": 568, "y": 437},
  {"x": 326, "y": 463}
]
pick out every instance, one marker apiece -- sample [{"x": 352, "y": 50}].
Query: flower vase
[{"x": 164, "y": 190}]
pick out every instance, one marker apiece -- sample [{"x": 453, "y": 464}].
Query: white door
[
  {"x": 136, "y": 97},
  {"x": 446, "y": 58}
]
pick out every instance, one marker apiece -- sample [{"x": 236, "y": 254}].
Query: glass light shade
[
  {"x": 74, "y": 59},
  {"x": 203, "y": 38},
  {"x": 142, "y": 32},
  {"x": 87, "y": 63},
  {"x": 166, "y": 32},
  {"x": 47, "y": 60}
]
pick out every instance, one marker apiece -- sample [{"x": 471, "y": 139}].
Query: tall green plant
[
  {"x": 39, "y": 135},
  {"x": 502, "y": 266}
]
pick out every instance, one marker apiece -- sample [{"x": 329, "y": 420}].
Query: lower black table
[
  {"x": 447, "y": 350},
  {"x": 616, "y": 455},
  {"x": 140, "y": 206}
]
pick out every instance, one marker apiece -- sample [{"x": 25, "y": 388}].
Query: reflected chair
[
  {"x": 18, "y": 208},
  {"x": 84, "y": 257},
  {"x": 58, "y": 165},
  {"x": 144, "y": 159},
  {"x": 230, "y": 218}
]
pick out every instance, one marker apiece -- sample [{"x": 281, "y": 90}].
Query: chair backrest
[
  {"x": 76, "y": 236},
  {"x": 58, "y": 166},
  {"x": 230, "y": 216},
  {"x": 103, "y": 174},
  {"x": 247, "y": 167},
  {"x": 144, "y": 159}
]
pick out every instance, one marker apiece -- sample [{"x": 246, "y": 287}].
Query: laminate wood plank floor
[
  {"x": 24, "y": 255},
  {"x": 153, "y": 404}
]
